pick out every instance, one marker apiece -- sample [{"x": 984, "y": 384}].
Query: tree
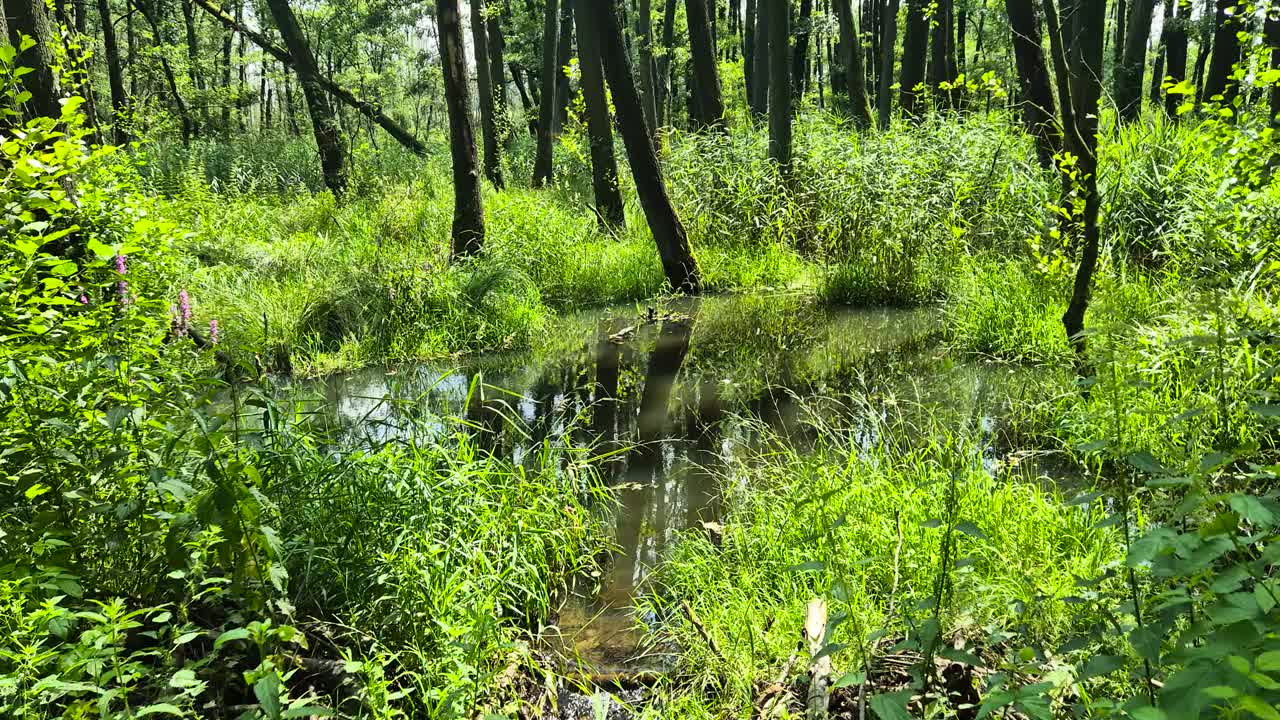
[
  {"x": 915, "y": 42},
  {"x": 669, "y": 234},
  {"x": 709, "y": 104},
  {"x": 852, "y": 76},
  {"x": 1089, "y": 19},
  {"x": 942, "y": 56},
  {"x": 749, "y": 50},
  {"x": 28, "y": 18},
  {"x": 115, "y": 76},
  {"x": 180, "y": 107},
  {"x": 800, "y": 58},
  {"x": 1034, "y": 90},
  {"x": 1175, "y": 50},
  {"x": 604, "y": 167},
  {"x": 564, "y": 53},
  {"x": 1271, "y": 29},
  {"x": 542, "y": 158},
  {"x": 1226, "y": 53},
  {"x": 779, "y": 84},
  {"x": 759, "y": 100},
  {"x": 665, "y": 90},
  {"x": 1128, "y": 76},
  {"x": 648, "y": 84},
  {"x": 497, "y": 75},
  {"x": 1157, "y": 65},
  {"x": 888, "y": 39},
  {"x": 468, "y": 213},
  {"x": 480, "y": 44}
]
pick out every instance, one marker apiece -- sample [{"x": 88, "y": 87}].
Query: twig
[{"x": 702, "y": 631}]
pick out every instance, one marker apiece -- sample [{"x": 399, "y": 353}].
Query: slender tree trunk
[
  {"x": 915, "y": 42},
  {"x": 1175, "y": 47},
  {"x": 1157, "y": 66},
  {"x": 706, "y": 70},
  {"x": 115, "y": 74},
  {"x": 1128, "y": 77},
  {"x": 468, "y": 213},
  {"x": 30, "y": 18},
  {"x": 800, "y": 58},
  {"x": 1061, "y": 69},
  {"x": 760, "y": 95},
  {"x": 604, "y": 167},
  {"x": 648, "y": 84},
  {"x": 849, "y": 53},
  {"x": 497, "y": 76},
  {"x": 779, "y": 84},
  {"x": 1086, "y": 92},
  {"x": 324, "y": 124},
  {"x": 1035, "y": 92},
  {"x": 1202, "y": 52},
  {"x": 564, "y": 52},
  {"x": 517, "y": 77},
  {"x": 942, "y": 61},
  {"x": 666, "y": 89},
  {"x": 184, "y": 115},
  {"x": 1271, "y": 29},
  {"x": 962, "y": 30},
  {"x": 668, "y": 232},
  {"x": 888, "y": 41},
  {"x": 1226, "y": 53},
  {"x": 228, "y": 38},
  {"x": 749, "y": 50},
  {"x": 542, "y": 159},
  {"x": 485, "y": 94},
  {"x": 1120, "y": 31}
]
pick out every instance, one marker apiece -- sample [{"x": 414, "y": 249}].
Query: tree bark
[
  {"x": 665, "y": 89},
  {"x": 800, "y": 58},
  {"x": 648, "y": 84},
  {"x": 1157, "y": 64},
  {"x": 324, "y": 125},
  {"x": 779, "y": 84},
  {"x": 709, "y": 104},
  {"x": 403, "y": 136},
  {"x": 30, "y": 18},
  {"x": 1128, "y": 77},
  {"x": 668, "y": 232},
  {"x": 1035, "y": 92},
  {"x": 915, "y": 42},
  {"x": 604, "y": 166},
  {"x": 1061, "y": 70},
  {"x": 1175, "y": 51},
  {"x": 759, "y": 100},
  {"x": 1226, "y": 53},
  {"x": 564, "y": 53},
  {"x": 1271, "y": 29},
  {"x": 228, "y": 38},
  {"x": 488, "y": 125},
  {"x": 749, "y": 50},
  {"x": 497, "y": 76},
  {"x": 1205, "y": 47},
  {"x": 942, "y": 58},
  {"x": 1119, "y": 32},
  {"x": 852, "y": 74},
  {"x": 542, "y": 159},
  {"x": 115, "y": 74},
  {"x": 468, "y": 213},
  {"x": 884, "y": 97}
]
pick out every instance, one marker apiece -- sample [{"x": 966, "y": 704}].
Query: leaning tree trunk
[
  {"x": 888, "y": 39},
  {"x": 648, "y": 85},
  {"x": 324, "y": 124},
  {"x": 542, "y": 159},
  {"x": 1175, "y": 53},
  {"x": 779, "y": 84},
  {"x": 488, "y": 124},
  {"x": 915, "y": 41},
  {"x": 468, "y": 213},
  {"x": 115, "y": 74},
  {"x": 1035, "y": 92},
  {"x": 1128, "y": 77},
  {"x": 1086, "y": 92},
  {"x": 668, "y": 232},
  {"x": 709, "y": 104},
  {"x": 604, "y": 167},
  {"x": 29, "y": 18},
  {"x": 760, "y": 93},
  {"x": 1226, "y": 53},
  {"x": 852, "y": 74}
]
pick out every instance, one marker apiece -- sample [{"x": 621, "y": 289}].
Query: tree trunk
[
  {"x": 800, "y": 59},
  {"x": 542, "y": 159},
  {"x": 564, "y": 53},
  {"x": 228, "y": 38},
  {"x": 497, "y": 76},
  {"x": 1175, "y": 51},
  {"x": 468, "y": 213},
  {"x": 30, "y": 18},
  {"x": 915, "y": 43},
  {"x": 749, "y": 51},
  {"x": 648, "y": 84},
  {"x": 1089, "y": 19},
  {"x": 884, "y": 97},
  {"x": 1118, "y": 32},
  {"x": 668, "y": 232},
  {"x": 962, "y": 29},
  {"x": 665, "y": 89},
  {"x": 706, "y": 69},
  {"x": 759, "y": 100},
  {"x": 1035, "y": 92},
  {"x": 115, "y": 74},
  {"x": 849, "y": 54},
  {"x": 604, "y": 166},
  {"x": 779, "y": 84},
  {"x": 480, "y": 45},
  {"x": 1271, "y": 29},
  {"x": 517, "y": 77},
  {"x": 942, "y": 60},
  {"x": 184, "y": 115},
  {"x": 1205, "y": 46},
  {"x": 1061, "y": 70},
  {"x": 1128, "y": 76},
  {"x": 324, "y": 124},
  {"x": 1226, "y": 53}
]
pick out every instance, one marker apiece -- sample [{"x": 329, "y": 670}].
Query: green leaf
[
  {"x": 228, "y": 636},
  {"x": 971, "y": 530},
  {"x": 160, "y": 708},
  {"x": 1100, "y": 665},
  {"x": 307, "y": 711},
  {"x": 1264, "y": 409},
  {"x": 810, "y": 566},
  {"x": 891, "y": 706},
  {"x": 267, "y": 690},
  {"x": 1220, "y": 692},
  {"x": 1259, "y": 707},
  {"x": 852, "y": 678},
  {"x": 1252, "y": 509},
  {"x": 1147, "y": 713},
  {"x": 1147, "y": 463},
  {"x": 1268, "y": 661}
]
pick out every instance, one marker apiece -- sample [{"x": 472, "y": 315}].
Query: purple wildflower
[
  {"x": 213, "y": 332},
  {"x": 121, "y": 266},
  {"x": 84, "y": 299},
  {"x": 122, "y": 290}
]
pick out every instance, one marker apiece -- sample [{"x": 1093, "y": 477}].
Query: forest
[{"x": 613, "y": 359}]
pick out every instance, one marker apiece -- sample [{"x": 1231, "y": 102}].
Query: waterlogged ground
[{"x": 672, "y": 398}]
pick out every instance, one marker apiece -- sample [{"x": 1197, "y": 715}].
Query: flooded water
[{"x": 672, "y": 396}]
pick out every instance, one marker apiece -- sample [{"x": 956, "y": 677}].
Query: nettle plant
[{"x": 138, "y": 571}]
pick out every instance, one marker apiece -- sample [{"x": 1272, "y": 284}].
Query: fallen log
[{"x": 369, "y": 110}]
